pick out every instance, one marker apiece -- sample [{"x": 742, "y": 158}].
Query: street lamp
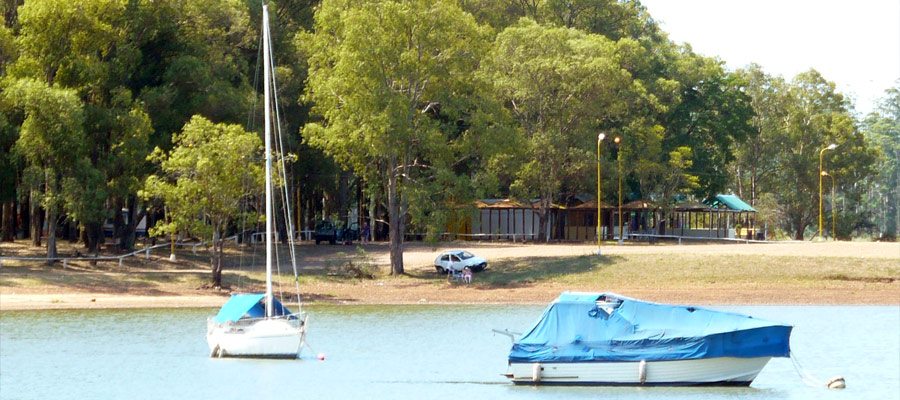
[
  {"x": 833, "y": 217},
  {"x": 599, "y": 212},
  {"x": 821, "y": 153},
  {"x": 618, "y": 140}
]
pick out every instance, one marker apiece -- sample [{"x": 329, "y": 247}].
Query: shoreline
[
  {"x": 531, "y": 296},
  {"x": 805, "y": 273}
]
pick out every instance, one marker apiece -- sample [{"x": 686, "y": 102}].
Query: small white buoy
[
  {"x": 837, "y": 383},
  {"x": 536, "y": 372},
  {"x": 321, "y": 357}
]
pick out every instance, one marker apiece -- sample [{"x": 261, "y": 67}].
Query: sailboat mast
[{"x": 269, "y": 223}]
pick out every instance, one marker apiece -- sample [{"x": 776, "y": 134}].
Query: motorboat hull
[
  {"x": 260, "y": 338},
  {"x": 720, "y": 371}
]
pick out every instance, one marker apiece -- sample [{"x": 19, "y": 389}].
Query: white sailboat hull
[
  {"x": 260, "y": 338},
  {"x": 721, "y": 371}
]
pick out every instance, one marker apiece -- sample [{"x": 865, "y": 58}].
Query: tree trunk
[
  {"x": 372, "y": 206},
  {"x": 36, "y": 228},
  {"x": 51, "y": 236},
  {"x": 135, "y": 215},
  {"x": 9, "y": 222},
  {"x": 396, "y": 228},
  {"x": 93, "y": 237},
  {"x": 544, "y": 221},
  {"x": 344, "y": 198},
  {"x": 799, "y": 229},
  {"x": 215, "y": 261}
]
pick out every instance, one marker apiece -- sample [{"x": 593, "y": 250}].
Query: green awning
[{"x": 732, "y": 202}]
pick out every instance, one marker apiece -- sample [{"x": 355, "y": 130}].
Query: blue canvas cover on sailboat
[
  {"x": 597, "y": 327},
  {"x": 248, "y": 306}
]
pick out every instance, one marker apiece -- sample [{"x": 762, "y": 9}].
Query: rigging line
[
  {"x": 251, "y": 118},
  {"x": 805, "y": 376},
  {"x": 251, "y": 124},
  {"x": 287, "y": 200}
]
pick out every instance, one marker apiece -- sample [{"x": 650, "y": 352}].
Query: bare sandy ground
[{"x": 419, "y": 257}]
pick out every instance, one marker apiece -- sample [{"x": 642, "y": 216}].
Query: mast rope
[{"x": 807, "y": 378}]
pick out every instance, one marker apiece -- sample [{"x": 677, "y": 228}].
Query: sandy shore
[{"x": 419, "y": 257}]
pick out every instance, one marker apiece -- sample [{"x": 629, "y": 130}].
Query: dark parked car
[{"x": 327, "y": 231}]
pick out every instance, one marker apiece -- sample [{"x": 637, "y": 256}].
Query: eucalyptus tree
[
  {"x": 194, "y": 59},
  {"x": 796, "y": 121},
  {"x": 91, "y": 54},
  {"x": 561, "y": 86},
  {"x": 883, "y": 129},
  {"x": 756, "y": 161},
  {"x": 204, "y": 179},
  {"x": 53, "y": 144},
  {"x": 393, "y": 82},
  {"x": 8, "y": 135},
  {"x": 711, "y": 116}
]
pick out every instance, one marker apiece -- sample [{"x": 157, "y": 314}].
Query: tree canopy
[{"x": 410, "y": 110}]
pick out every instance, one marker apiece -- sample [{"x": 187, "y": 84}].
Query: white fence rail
[
  {"x": 145, "y": 250},
  {"x": 639, "y": 235}
]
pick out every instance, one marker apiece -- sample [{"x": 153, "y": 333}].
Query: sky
[{"x": 853, "y": 43}]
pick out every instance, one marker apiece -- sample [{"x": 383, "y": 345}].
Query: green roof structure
[{"x": 731, "y": 202}]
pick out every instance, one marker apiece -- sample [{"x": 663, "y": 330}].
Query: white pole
[{"x": 268, "y": 133}]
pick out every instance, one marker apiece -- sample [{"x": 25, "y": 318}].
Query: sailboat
[{"x": 258, "y": 325}]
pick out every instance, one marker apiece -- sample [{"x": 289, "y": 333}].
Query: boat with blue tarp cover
[{"x": 608, "y": 339}]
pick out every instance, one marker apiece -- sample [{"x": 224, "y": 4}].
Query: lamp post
[
  {"x": 618, "y": 140},
  {"x": 821, "y": 153},
  {"x": 599, "y": 212},
  {"x": 833, "y": 217}
]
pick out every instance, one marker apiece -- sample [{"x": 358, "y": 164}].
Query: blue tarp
[
  {"x": 575, "y": 329},
  {"x": 248, "y": 306}
]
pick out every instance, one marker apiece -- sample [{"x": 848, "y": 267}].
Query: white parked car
[{"x": 457, "y": 260}]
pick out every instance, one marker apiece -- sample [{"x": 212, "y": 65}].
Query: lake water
[{"x": 395, "y": 352}]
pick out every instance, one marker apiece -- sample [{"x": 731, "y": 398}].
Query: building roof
[
  {"x": 591, "y": 205},
  {"x": 731, "y": 202}
]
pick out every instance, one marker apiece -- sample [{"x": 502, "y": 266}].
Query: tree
[
  {"x": 561, "y": 87},
  {"x": 53, "y": 144},
  {"x": 8, "y": 136},
  {"x": 883, "y": 128},
  {"x": 207, "y": 175},
  {"x": 392, "y": 81},
  {"x": 796, "y": 121},
  {"x": 711, "y": 118},
  {"x": 756, "y": 162},
  {"x": 91, "y": 54}
]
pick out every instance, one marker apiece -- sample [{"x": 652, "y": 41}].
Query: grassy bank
[{"x": 675, "y": 274}]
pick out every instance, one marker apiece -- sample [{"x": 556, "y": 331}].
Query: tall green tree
[
  {"x": 756, "y": 161},
  {"x": 8, "y": 136},
  {"x": 561, "y": 87},
  {"x": 796, "y": 121},
  {"x": 53, "y": 143},
  {"x": 195, "y": 58},
  {"x": 392, "y": 81},
  {"x": 883, "y": 128},
  {"x": 211, "y": 170},
  {"x": 91, "y": 53},
  {"x": 711, "y": 117}
]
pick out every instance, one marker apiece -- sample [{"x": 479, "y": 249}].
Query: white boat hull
[
  {"x": 259, "y": 338},
  {"x": 721, "y": 371}
]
